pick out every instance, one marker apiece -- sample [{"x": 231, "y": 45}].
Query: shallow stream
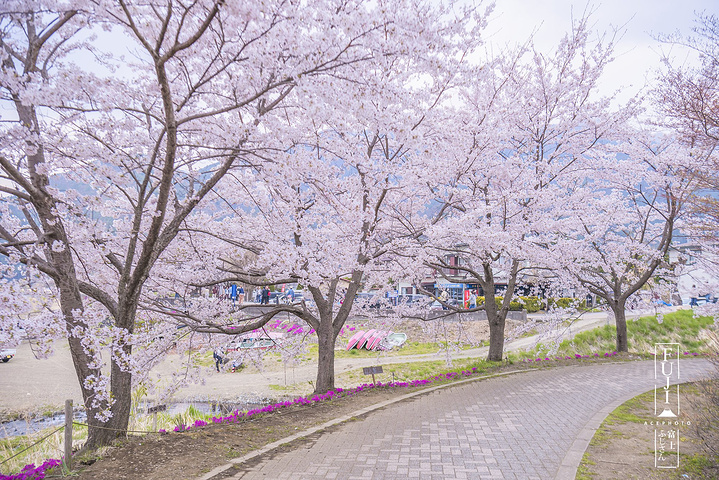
[{"x": 27, "y": 426}]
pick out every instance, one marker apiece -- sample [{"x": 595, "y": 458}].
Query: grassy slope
[{"x": 678, "y": 327}]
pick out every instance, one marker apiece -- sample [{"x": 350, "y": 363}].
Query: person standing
[
  {"x": 233, "y": 294},
  {"x": 217, "y": 355},
  {"x": 241, "y": 294},
  {"x": 265, "y": 296},
  {"x": 472, "y": 299},
  {"x": 443, "y": 297}
]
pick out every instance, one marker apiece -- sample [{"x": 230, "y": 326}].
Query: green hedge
[
  {"x": 515, "y": 305},
  {"x": 566, "y": 302},
  {"x": 534, "y": 304}
]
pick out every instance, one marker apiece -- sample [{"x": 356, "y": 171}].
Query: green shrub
[
  {"x": 532, "y": 304},
  {"x": 566, "y": 302},
  {"x": 514, "y": 306}
]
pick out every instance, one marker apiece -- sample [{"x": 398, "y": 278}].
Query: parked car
[
  {"x": 275, "y": 297},
  {"x": 299, "y": 296},
  {"x": 254, "y": 341},
  {"x": 6, "y": 354},
  {"x": 250, "y": 343},
  {"x": 282, "y": 297},
  {"x": 414, "y": 298},
  {"x": 368, "y": 300}
]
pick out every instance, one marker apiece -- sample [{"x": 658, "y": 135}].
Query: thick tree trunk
[
  {"x": 121, "y": 385},
  {"x": 99, "y": 433},
  {"x": 326, "y": 361},
  {"x": 620, "y": 317},
  {"x": 104, "y": 433},
  {"x": 329, "y": 325},
  {"x": 70, "y": 301},
  {"x": 496, "y": 328}
]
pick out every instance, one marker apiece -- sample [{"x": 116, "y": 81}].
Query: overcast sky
[{"x": 637, "y": 52}]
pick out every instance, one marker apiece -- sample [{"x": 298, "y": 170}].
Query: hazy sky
[{"x": 636, "y": 53}]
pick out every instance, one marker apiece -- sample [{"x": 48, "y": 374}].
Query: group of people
[
  {"x": 263, "y": 296},
  {"x": 221, "y": 358},
  {"x": 231, "y": 291},
  {"x": 236, "y": 293},
  {"x": 471, "y": 301}
]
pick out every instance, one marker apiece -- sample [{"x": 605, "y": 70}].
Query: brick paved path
[{"x": 521, "y": 426}]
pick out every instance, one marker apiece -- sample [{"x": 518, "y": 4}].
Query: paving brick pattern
[{"x": 514, "y": 427}]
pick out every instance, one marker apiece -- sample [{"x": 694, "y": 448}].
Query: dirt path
[{"x": 31, "y": 385}]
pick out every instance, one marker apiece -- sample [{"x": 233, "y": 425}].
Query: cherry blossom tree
[
  {"x": 323, "y": 229},
  {"x": 687, "y": 97},
  {"x": 534, "y": 128},
  {"x": 321, "y": 213},
  {"x": 114, "y": 145},
  {"x": 624, "y": 222}
]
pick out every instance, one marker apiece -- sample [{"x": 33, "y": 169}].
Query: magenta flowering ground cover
[
  {"x": 578, "y": 356},
  {"x": 567, "y": 357},
  {"x": 31, "y": 472},
  {"x": 336, "y": 393}
]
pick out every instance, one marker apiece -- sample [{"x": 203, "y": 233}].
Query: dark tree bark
[
  {"x": 620, "y": 317},
  {"x": 496, "y": 315},
  {"x": 328, "y": 325},
  {"x": 326, "y": 356},
  {"x": 497, "y": 319},
  {"x": 616, "y": 286}
]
